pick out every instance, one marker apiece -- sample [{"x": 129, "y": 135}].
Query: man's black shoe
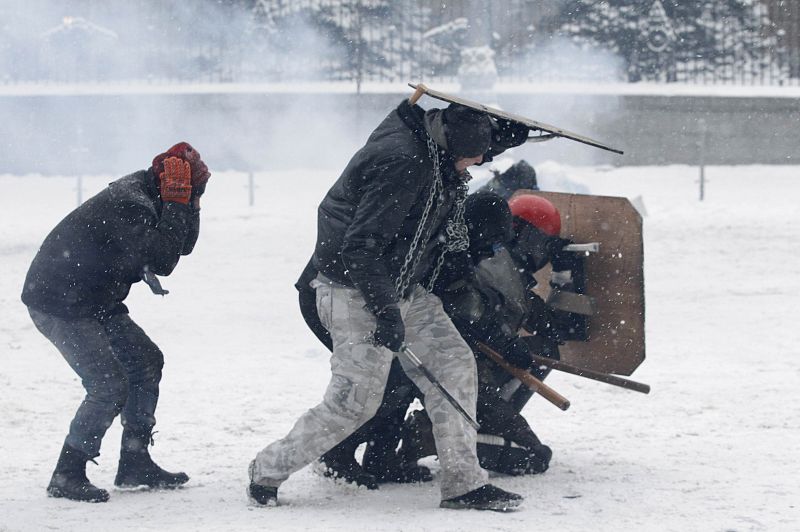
[
  {"x": 539, "y": 459},
  {"x": 136, "y": 468},
  {"x": 406, "y": 474},
  {"x": 348, "y": 470},
  {"x": 75, "y": 489},
  {"x": 262, "y": 495},
  {"x": 395, "y": 470},
  {"x": 69, "y": 478},
  {"x": 487, "y": 497}
]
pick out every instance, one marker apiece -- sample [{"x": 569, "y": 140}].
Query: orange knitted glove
[{"x": 176, "y": 181}]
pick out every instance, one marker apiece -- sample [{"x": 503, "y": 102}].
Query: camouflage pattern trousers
[{"x": 359, "y": 372}]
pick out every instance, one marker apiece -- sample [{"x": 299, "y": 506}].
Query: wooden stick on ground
[
  {"x": 594, "y": 375},
  {"x": 628, "y": 384},
  {"x": 526, "y": 378}
]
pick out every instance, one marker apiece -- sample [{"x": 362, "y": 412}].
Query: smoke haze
[{"x": 148, "y": 79}]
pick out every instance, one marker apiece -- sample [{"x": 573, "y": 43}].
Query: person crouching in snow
[
  {"x": 135, "y": 229},
  {"x": 382, "y": 228},
  {"x": 496, "y": 306}
]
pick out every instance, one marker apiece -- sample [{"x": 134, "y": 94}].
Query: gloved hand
[
  {"x": 517, "y": 354},
  {"x": 176, "y": 181},
  {"x": 560, "y": 259},
  {"x": 390, "y": 332},
  {"x": 200, "y": 173},
  {"x": 509, "y": 134},
  {"x": 541, "y": 320}
]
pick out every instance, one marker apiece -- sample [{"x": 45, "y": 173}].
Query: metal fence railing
[{"x": 703, "y": 42}]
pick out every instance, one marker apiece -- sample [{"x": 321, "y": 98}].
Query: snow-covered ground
[{"x": 713, "y": 447}]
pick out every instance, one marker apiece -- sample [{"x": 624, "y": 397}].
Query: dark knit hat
[{"x": 462, "y": 131}]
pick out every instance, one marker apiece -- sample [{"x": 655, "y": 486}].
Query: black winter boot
[
  {"x": 69, "y": 478},
  {"x": 136, "y": 467},
  {"x": 487, "y": 497},
  {"x": 401, "y": 473},
  {"x": 343, "y": 465},
  {"x": 258, "y": 493},
  {"x": 539, "y": 459},
  {"x": 417, "y": 434},
  {"x": 262, "y": 495},
  {"x": 389, "y": 467}
]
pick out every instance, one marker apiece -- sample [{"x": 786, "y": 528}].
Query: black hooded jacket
[
  {"x": 368, "y": 219},
  {"x": 88, "y": 262}
]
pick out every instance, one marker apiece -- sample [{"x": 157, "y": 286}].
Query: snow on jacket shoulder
[
  {"x": 369, "y": 217},
  {"x": 88, "y": 262}
]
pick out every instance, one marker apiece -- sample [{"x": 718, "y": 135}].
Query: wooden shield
[{"x": 614, "y": 279}]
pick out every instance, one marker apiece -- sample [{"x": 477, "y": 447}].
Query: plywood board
[{"x": 614, "y": 278}]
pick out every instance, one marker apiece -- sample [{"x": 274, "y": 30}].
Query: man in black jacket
[
  {"x": 485, "y": 291},
  {"x": 135, "y": 229},
  {"x": 382, "y": 229}
]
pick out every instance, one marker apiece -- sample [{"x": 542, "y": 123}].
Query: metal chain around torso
[
  {"x": 457, "y": 235},
  {"x": 412, "y": 258}
]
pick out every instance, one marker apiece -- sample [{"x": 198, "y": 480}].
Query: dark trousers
[{"x": 120, "y": 369}]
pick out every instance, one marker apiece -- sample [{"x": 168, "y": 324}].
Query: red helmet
[{"x": 538, "y": 212}]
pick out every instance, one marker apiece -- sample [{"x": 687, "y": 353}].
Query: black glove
[
  {"x": 556, "y": 244},
  {"x": 389, "y": 329},
  {"x": 541, "y": 320},
  {"x": 560, "y": 259},
  {"x": 517, "y": 354},
  {"x": 509, "y": 134},
  {"x": 505, "y": 134}
]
